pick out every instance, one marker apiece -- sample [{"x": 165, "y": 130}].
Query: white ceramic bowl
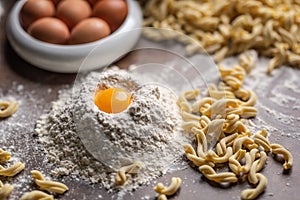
[{"x": 72, "y": 58}]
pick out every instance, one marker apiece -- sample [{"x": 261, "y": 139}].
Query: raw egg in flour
[
  {"x": 112, "y": 100},
  {"x": 36, "y": 9}
]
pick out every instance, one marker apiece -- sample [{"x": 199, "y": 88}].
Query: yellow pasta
[
  {"x": 249, "y": 159},
  {"x": 169, "y": 190},
  {"x": 200, "y": 103},
  {"x": 210, "y": 174},
  {"x": 8, "y": 108},
  {"x": 253, "y": 193},
  {"x": 162, "y": 197},
  {"x": 213, "y": 157},
  {"x": 278, "y": 149},
  {"x": 233, "y": 124},
  {"x": 261, "y": 140},
  {"x": 230, "y": 27},
  {"x": 12, "y": 170},
  {"x": 201, "y": 142},
  {"x": 36, "y": 195},
  {"x": 50, "y": 186},
  {"x": 224, "y": 143},
  {"x": 122, "y": 174},
  {"x": 234, "y": 161},
  {"x": 5, "y": 190},
  {"x": 4, "y": 155},
  {"x": 243, "y": 141},
  {"x": 256, "y": 167}
]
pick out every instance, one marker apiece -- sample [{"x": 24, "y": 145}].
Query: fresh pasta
[
  {"x": 12, "y": 170},
  {"x": 210, "y": 174},
  {"x": 122, "y": 174},
  {"x": 36, "y": 195},
  {"x": 222, "y": 138},
  {"x": 50, "y": 186},
  {"x": 253, "y": 193},
  {"x": 174, "y": 186},
  {"x": 8, "y": 108},
  {"x": 4, "y": 155},
  {"x": 225, "y": 28},
  {"x": 5, "y": 190},
  {"x": 278, "y": 149}
]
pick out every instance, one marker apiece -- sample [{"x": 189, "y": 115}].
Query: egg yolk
[{"x": 112, "y": 100}]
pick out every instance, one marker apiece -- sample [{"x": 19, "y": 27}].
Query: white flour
[{"x": 145, "y": 132}]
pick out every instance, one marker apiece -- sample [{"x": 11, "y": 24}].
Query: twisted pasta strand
[
  {"x": 36, "y": 195},
  {"x": 5, "y": 190},
  {"x": 12, "y": 170},
  {"x": 210, "y": 174},
  {"x": 4, "y": 155},
  {"x": 122, "y": 174},
  {"x": 50, "y": 186},
  {"x": 278, "y": 149},
  {"x": 171, "y": 189},
  {"x": 253, "y": 193}
]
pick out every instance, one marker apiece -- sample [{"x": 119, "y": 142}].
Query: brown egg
[
  {"x": 49, "y": 29},
  {"x": 89, "y": 30},
  {"x": 55, "y": 1},
  {"x": 73, "y": 11},
  {"x": 92, "y": 2},
  {"x": 113, "y": 12},
  {"x": 35, "y": 9}
]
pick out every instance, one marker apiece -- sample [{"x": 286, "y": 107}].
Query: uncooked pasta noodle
[
  {"x": 201, "y": 142},
  {"x": 5, "y": 190},
  {"x": 234, "y": 161},
  {"x": 243, "y": 141},
  {"x": 122, "y": 174},
  {"x": 221, "y": 147},
  {"x": 175, "y": 184},
  {"x": 210, "y": 174},
  {"x": 36, "y": 195},
  {"x": 4, "y": 155},
  {"x": 213, "y": 157},
  {"x": 253, "y": 193},
  {"x": 50, "y": 186},
  {"x": 233, "y": 124},
  {"x": 256, "y": 167},
  {"x": 198, "y": 104},
  {"x": 278, "y": 149},
  {"x": 8, "y": 108},
  {"x": 12, "y": 170},
  {"x": 249, "y": 159},
  {"x": 247, "y": 60},
  {"x": 261, "y": 140}
]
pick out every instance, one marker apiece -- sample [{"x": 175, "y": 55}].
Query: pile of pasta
[
  {"x": 225, "y": 28},
  {"x": 222, "y": 137}
]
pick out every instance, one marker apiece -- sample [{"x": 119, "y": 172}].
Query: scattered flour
[{"x": 75, "y": 132}]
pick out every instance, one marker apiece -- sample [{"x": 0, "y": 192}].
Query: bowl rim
[{"x": 31, "y": 41}]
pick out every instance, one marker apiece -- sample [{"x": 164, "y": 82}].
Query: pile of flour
[{"x": 74, "y": 133}]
